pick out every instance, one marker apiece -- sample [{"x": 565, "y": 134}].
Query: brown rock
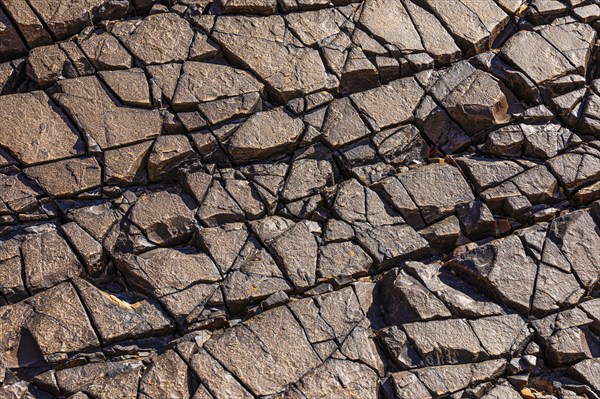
[{"x": 34, "y": 130}]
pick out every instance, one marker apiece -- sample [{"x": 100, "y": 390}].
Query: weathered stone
[
  {"x": 297, "y": 251},
  {"x": 27, "y": 22},
  {"x": 223, "y": 243},
  {"x": 435, "y": 38},
  {"x": 445, "y": 342},
  {"x": 105, "y": 52},
  {"x": 265, "y": 134},
  {"x": 59, "y": 324},
  {"x": 103, "y": 380},
  {"x": 263, "y": 359},
  {"x": 399, "y": 348},
  {"x": 342, "y": 259},
  {"x": 443, "y": 380},
  {"x": 34, "y": 130},
  {"x": 165, "y": 218},
  {"x": 474, "y": 25},
  {"x": 155, "y": 270},
  {"x": 461, "y": 298},
  {"x": 256, "y": 278},
  {"x": 342, "y": 124},
  {"x": 46, "y": 65},
  {"x": 216, "y": 378},
  {"x": 12, "y": 45},
  {"x": 312, "y": 171},
  {"x": 401, "y": 146},
  {"x": 390, "y": 22},
  {"x": 67, "y": 178},
  {"x": 503, "y": 267},
  {"x": 517, "y": 51},
  {"x": 289, "y": 70},
  {"x": 575, "y": 169},
  {"x": 479, "y": 102},
  {"x": 405, "y": 93},
  {"x": 160, "y": 38},
  {"x": 219, "y": 207},
  {"x": 335, "y": 378},
  {"x": 203, "y": 82},
  {"x": 119, "y": 317},
  {"x": 103, "y": 122},
  {"x": 48, "y": 260},
  {"x": 167, "y": 155},
  {"x": 88, "y": 249},
  {"x": 576, "y": 236},
  {"x": 389, "y": 244},
  {"x": 168, "y": 376},
  {"x": 437, "y": 190},
  {"x": 406, "y": 385},
  {"x": 131, "y": 86},
  {"x": 127, "y": 165}
]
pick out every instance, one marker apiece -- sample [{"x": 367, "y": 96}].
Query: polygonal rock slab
[{"x": 34, "y": 130}]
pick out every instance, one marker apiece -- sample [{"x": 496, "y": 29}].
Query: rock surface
[{"x": 386, "y": 199}]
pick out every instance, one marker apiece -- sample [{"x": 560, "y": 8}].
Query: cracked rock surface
[{"x": 300, "y": 199}]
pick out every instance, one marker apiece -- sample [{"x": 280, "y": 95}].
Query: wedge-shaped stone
[
  {"x": 34, "y": 130},
  {"x": 64, "y": 20},
  {"x": 443, "y": 380},
  {"x": 576, "y": 236},
  {"x": 98, "y": 116},
  {"x": 202, "y": 82},
  {"x": 389, "y": 21},
  {"x": 121, "y": 317},
  {"x": 256, "y": 278},
  {"x": 167, "y": 377},
  {"x": 445, "y": 342},
  {"x": 68, "y": 177},
  {"x": 164, "y": 271},
  {"x": 338, "y": 378},
  {"x": 574, "y": 41},
  {"x": 105, "y": 380},
  {"x": 263, "y": 358},
  {"x": 297, "y": 251},
  {"x": 59, "y": 324}
]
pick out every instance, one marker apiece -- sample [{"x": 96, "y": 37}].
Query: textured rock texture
[{"x": 300, "y": 199}]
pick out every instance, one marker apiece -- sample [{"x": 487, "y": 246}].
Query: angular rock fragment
[
  {"x": 160, "y": 38},
  {"x": 48, "y": 260},
  {"x": 103, "y": 122},
  {"x": 404, "y": 93},
  {"x": 67, "y": 178},
  {"x": 131, "y": 86},
  {"x": 105, "y": 52},
  {"x": 46, "y": 65},
  {"x": 503, "y": 267},
  {"x": 165, "y": 218},
  {"x": 436, "y": 189},
  {"x": 265, "y": 134},
  {"x": 120, "y": 317},
  {"x": 103, "y": 380},
  {"x": 41, "y": 134},
  {"x": 290, "y": 70},
  {"x": 265, "y": 360}
]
